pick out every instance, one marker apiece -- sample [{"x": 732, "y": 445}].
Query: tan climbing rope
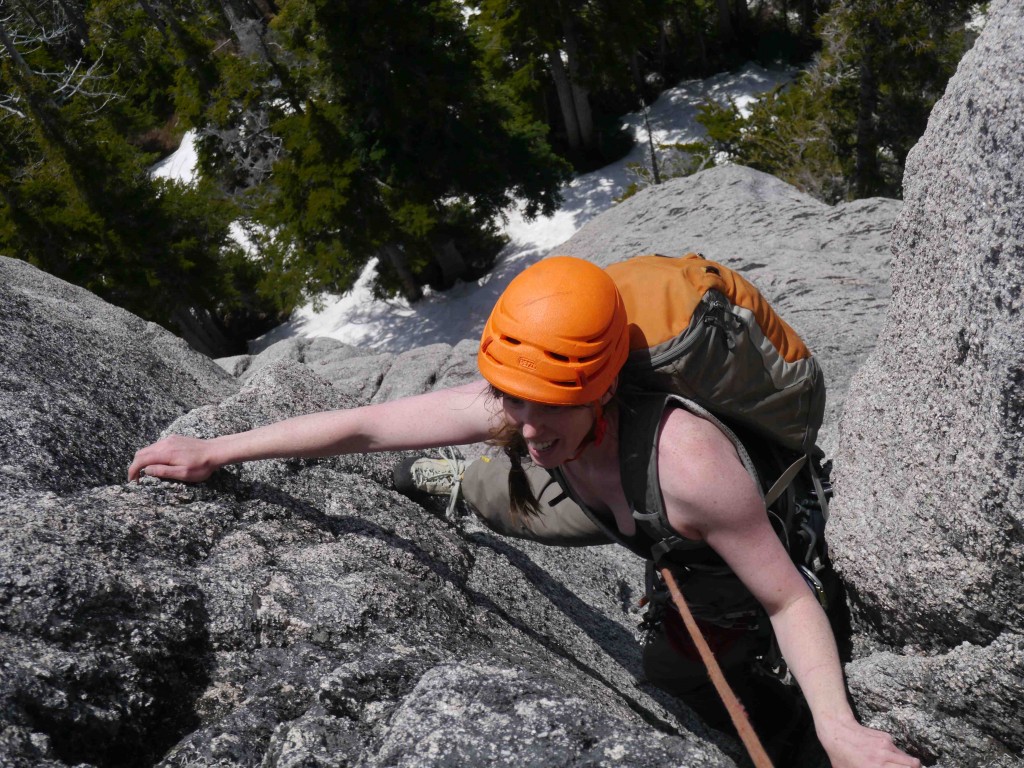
[{"x": 739, "y": 717}]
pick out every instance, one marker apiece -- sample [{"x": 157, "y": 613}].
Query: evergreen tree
[
  {"x": 844, "y": 128},
  {"x": 572, "y": 48},
  {"x": 890, "y": 62},
  {"x": 395, "y": 129},
  {"x": 78, "y": 200},
  {"x": 160, "y": 60},
  {"x": 401, "y": 149}
]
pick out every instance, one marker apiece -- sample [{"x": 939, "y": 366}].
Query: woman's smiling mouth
[{"x": 540, "y": 447}]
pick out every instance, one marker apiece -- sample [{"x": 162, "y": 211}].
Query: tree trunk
[
  {"x": 663, "y": 48},
  {"x": 725, "y": 30},
  {"x": 453, "y": 266},
  {"x": 580, "y": 94},
  {"x": 78, "y": 22},
  {"x": 638, "y": 77},
  {"x": 565, "y": 100},
  {"x": 866, "y": 168},
  {"x": 394, "y": 258},
  {"x": 39, "y": 107},
  {"x": 250, "y": 32},
  {"x": 681, "y": 29},
  {"x": 13, "y": 52},
  {"x": 740, "y": 15},
  {"x": 650, "y": 144},
  {"x": 246, "y": 29},
  {"x": 581, "y": 98}
]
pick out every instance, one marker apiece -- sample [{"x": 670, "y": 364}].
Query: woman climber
[{"x": 550, "y": 357}]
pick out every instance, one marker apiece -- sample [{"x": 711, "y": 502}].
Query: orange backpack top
[{"x": 700, "y": 330}]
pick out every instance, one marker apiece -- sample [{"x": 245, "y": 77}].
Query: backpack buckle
[{"x": 815, "y": 584}]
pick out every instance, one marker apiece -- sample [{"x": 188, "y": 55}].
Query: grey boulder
[{"x": 927, "y": 528}]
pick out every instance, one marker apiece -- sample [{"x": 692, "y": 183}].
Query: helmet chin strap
[{"x": 597, "y": 432}]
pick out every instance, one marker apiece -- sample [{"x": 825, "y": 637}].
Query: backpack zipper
[{"x": 701, "y": 316}]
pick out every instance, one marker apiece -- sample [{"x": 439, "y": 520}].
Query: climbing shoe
[{"x": 433, "y": 475}]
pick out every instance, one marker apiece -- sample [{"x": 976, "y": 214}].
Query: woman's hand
[
  {"x": 188, "y": 459},
  {"x": 851, "y": 745}
]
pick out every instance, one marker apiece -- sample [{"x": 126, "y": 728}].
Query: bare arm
[
  {"x": 453, "y": 416},
  {"x": 708, "y": 493}
]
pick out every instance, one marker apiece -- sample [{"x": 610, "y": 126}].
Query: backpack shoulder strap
[
  {"x": 608, "y": 528},
  {"x": 639, "y": 427},
  {"x": 639, "y": 431}
]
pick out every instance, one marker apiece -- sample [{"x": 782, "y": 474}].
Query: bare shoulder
[
  {"x": 703, "y": 482},
  {"x": 691, "y": 446}
]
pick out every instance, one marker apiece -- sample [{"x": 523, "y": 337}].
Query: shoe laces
[{"x": 456, "y": 462}]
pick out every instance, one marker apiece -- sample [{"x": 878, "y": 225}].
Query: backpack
[
  {"x": 703, "y": 338},
  {"x": 706, "y": 337},
  {"x": 700, "y": 330}
]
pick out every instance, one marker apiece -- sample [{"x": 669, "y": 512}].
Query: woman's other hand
[
  {"x": 852, "y": 745},
  {"x": 187, "y": 459}
]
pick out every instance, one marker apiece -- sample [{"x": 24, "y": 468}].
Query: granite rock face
[
  {"x": 83, "y": 383},
  {"x": 929, "y": 524},
  {"x": 367, "y": 377},
  {"x": 286, "y": 612},
  {"x": 302, "y": 613}
]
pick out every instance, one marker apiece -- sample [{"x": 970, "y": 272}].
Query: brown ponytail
[{"x": 522, "y": 502}]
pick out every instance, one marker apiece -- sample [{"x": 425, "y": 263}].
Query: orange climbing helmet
[{"x": 557, "y": 335}]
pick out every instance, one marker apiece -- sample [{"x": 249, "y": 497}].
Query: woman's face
[{"x": 553, "y": 433}]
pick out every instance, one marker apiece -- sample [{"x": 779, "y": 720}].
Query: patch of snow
[
  {"x": 979, "y": 15},
  {"x": 181, "y": 165}
]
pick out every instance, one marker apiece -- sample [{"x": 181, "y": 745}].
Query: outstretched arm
[
  {"x": 455, "y": 416},
  {"x": 708, "y": 494}
]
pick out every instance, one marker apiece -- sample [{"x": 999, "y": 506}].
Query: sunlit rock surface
[{"x": 81, "y": 382}]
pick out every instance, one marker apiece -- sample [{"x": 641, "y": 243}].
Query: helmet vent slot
[
  {"x": 510, "y": 340},
  {"x": 558, "y": 357}
]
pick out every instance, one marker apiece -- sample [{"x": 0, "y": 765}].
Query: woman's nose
[
  {"x": 529, "y": 422},
  {"x": 528, "y": 429}
]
